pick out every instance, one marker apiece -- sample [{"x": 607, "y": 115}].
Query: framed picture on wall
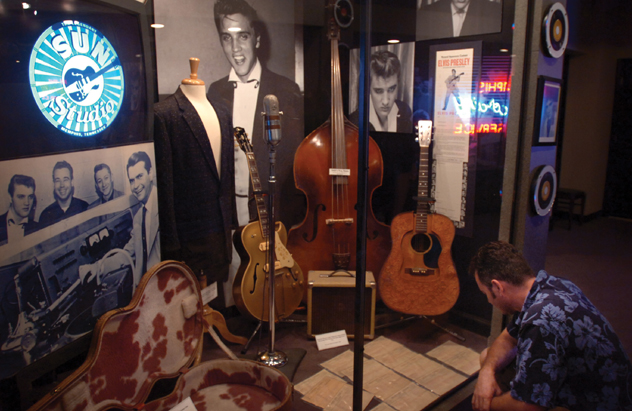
[{"x": 547, "y": 111}]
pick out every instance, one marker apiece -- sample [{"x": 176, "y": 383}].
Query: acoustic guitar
[
  {"x": 250, "y": 288},
  {"x": 419, "y": 276}
]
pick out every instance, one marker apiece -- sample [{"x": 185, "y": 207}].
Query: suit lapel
[
  {"x": 227, "y": 93},
  {"x": 258, "y": 141},
  {"x": 224, "y": 115},
  {"x": 192, "y": 118},
  {"x": 153, "y": 231},
  {"x": 471, "y": 18}
]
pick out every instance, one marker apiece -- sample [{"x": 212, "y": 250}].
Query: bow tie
[
  {"x": 460, "y": 11},
  {"x": 235, "y": 83}
]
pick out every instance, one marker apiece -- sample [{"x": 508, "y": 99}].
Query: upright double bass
[{"x": 326, "y": 170}]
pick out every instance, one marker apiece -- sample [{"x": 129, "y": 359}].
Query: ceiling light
[
  {"x": 393, "y": 41},
  {"x": 158, "y": 26},
  {"x": 26, "y": 6},
  {"x": 234, "y": 29}
]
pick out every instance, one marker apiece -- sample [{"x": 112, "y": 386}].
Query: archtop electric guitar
[{"x": 250, "y": 288}]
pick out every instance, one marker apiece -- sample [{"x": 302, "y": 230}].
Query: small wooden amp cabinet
[{"x": 331, "y": 303}]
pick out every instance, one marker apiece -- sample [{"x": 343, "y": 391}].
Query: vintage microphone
[
  {"x": 272, "y": 136},
  {"x": 271, "y": 120}
]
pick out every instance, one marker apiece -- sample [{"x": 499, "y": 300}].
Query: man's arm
[
  {"x": 507, "y": 402},
  {"x": 501, "y": 353}
]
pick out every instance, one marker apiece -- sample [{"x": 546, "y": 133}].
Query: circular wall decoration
[
  {"x": 555, "y": 30},
  {"x": 543, "y": 189},
  {"x": 76, "y": 78}
]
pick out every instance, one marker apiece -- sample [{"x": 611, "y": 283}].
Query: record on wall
[
  {"x": 543, "y": 189},
  {"x": 555, "y": 31}
]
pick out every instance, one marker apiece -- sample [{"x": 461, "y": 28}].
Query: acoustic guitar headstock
[
  {"x": 424, "y": 132},
  {"x": 242, "y": 138}
]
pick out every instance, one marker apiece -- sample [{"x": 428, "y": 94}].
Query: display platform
[
  {"x": 414, "y": 337},
  {"x": 411, "y": 337}
]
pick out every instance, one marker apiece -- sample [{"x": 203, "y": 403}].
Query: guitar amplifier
[{"x": 331, "y": 303}]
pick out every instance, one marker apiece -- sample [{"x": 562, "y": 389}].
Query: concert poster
[
  {"x": 48, "y": 297},
  {"x": 455, "y": 74}
]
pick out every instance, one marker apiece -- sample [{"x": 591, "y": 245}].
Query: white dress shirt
[
  {"x": 244, "y": 112},
  {"x": 15, "y": 226},
  {"x": 391, "y": 118},
  {"x": 458, "y": 16}
]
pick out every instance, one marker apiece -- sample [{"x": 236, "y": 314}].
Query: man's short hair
[
  {"x": 100, "y": 167},
  {"x": 21, "y": 180},
  {"x": 60, "y": 165},
  {"x": 385, "y": 64},
  {"x": 500, "y": 261},
  {"x": 227, "y": 7},
  {"x": 136, "y": 158}
]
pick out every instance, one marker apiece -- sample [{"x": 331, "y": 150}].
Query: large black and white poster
[
  {"x": 390, "y": 87},
  {"x": 71, "y": 244},
  {"x": 437, "y": 19}
]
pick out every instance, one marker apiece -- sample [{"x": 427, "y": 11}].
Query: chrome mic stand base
[{"x": 276, "y": 359}]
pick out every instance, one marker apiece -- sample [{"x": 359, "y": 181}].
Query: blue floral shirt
[{"x": 568, "y": 354}]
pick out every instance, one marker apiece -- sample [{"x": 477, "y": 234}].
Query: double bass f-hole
[{"x": 315, "y": 229}]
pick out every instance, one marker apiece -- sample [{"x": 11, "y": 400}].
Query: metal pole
[
  {"x": 363, "y": 203},
  {"x": 271, "y": 245},
  {"x": 271, "y": 357}
]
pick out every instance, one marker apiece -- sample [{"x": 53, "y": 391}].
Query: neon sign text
[
  {"x": 468, "y": 128},
  {"x": 494, "y": 106},
  {"x": 494, "y": 86}
]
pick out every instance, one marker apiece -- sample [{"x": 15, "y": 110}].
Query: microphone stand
[{"x": 271, "y": 357}]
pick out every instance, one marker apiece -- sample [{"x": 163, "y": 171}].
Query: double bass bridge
[{"x": 332, "y": 221}]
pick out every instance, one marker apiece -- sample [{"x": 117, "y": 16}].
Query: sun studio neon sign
[{"x": 76, "y": 78}]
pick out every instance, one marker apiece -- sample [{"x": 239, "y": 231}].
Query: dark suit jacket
[
  {"x": 404, "y": 118},
  {"x": 54, "y": 213},
  {"x": 99, "y": 201},
  {"x": 196, "y": 205},
  {"x": 290, "y": 203},
  {"x": 435, "y": 20},
  {"x": 135, "y": 244},
  {"x": 28, "y": 228}
]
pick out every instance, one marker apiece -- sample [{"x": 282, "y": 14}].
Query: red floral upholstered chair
[{"x": 159, "y": 335}]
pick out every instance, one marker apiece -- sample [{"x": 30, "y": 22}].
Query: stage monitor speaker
[{"x": 331, "y": 303}]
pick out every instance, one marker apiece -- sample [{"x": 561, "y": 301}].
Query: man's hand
[
  {"x": 498, "y": 356},
  {"x": 87, "y": 272},
  {"x": 486, "y": 389}
]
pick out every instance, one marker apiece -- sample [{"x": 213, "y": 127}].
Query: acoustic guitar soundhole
[
  {"x": 429, "y": 245},
  {"x": 421, "y": 243}
]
